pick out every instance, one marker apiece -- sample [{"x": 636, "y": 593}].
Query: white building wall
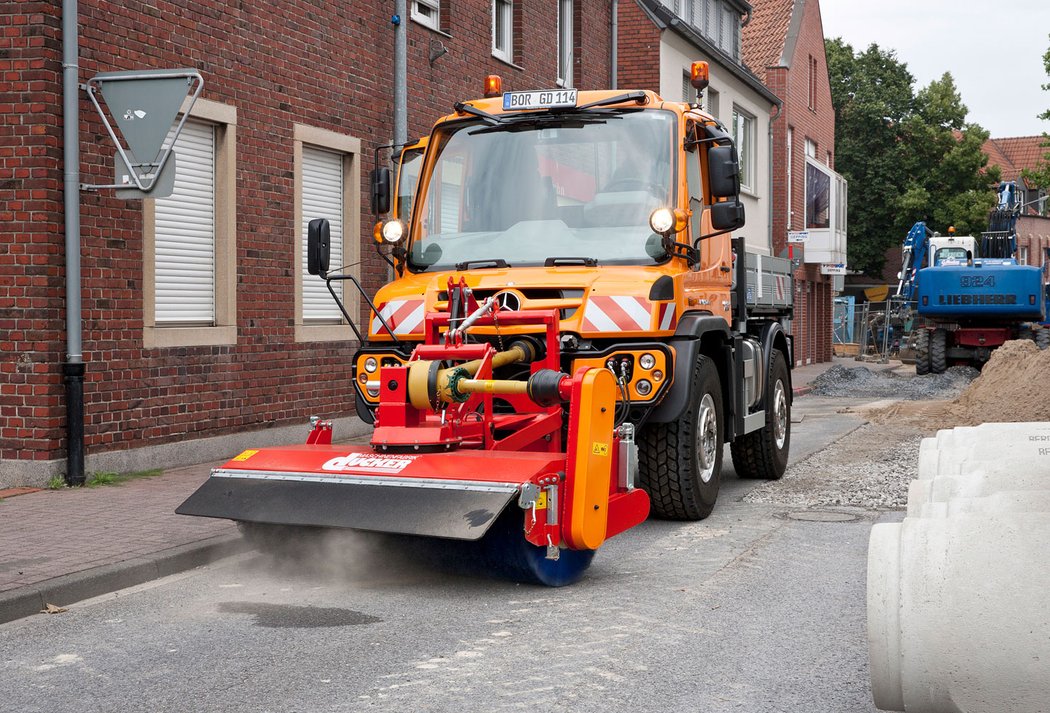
[{"x": 676, "y": 56}]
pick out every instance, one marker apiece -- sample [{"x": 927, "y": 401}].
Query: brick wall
[
  {"x": 327, "y": 65},
  {"x": 792, "y": 85},
  {"x": 638, "y": 49}
]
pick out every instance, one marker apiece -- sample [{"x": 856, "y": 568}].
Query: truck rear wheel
[
  {"x": 681, "y": 461},
  {"x": 939, "y": 351},
  {"x": 922, "y": 352},
  {"x": 763, "y": 454}
]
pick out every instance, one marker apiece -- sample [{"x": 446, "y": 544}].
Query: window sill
[
  {"x": 508, "y": 62},
  {"x": 431, "y": 28},
  {"x": 749, "y": 192},
  {"x": 334, "y": 332},
  {"x": 166, "y": 337}
]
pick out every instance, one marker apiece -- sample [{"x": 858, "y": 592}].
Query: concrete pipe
[
  {"x": 958, "y": 613},
  {"x": 990, "y": 478},
  {"x": 953, "y": 453},
  {"x": 958, "y": 618}
]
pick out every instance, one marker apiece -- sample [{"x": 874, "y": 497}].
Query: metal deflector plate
[{"x": 453, "y": 512}]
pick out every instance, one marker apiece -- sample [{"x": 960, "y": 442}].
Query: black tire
[
  {"x": 1042, "y": 337},
  {"x": 763, "y": 454},
  {"x": 680, "y": 463},
  {"x": 922, "y": 352},
  {"x": 939, "y": 351}
]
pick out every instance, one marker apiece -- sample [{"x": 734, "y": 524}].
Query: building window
[
  {"x": 812, "y": 82},
  {"x": 818, "y": 197},
  {"x": 327, "y": 185},
  {"x": 790, "y": 174},
  {"x": 1022, "y": 255},
  {"x": 688, "y": 92},
  {"x": 711, "y": 104},
  {"x": 189, "y": 244},
  {"x": 427, "y": 12},
  {"x": 565, "y": 42},
  {"x": 743, "y": 131},
  {"x": 811, "y": 148},
  {"x": 503, "y": 30}
]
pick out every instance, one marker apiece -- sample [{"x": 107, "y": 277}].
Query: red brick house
[
  {"x": 197, "y": 323},
  {"x": 1013, "y": 155},
  {"x": 783, "y": 44}
]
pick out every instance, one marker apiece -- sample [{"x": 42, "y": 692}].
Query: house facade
[
  {"x": 783, "y": 43},
  {"x": 1013, "y": 155},
  {"x": 657, "y": 43},
  {"x": 198, "y": 319}
]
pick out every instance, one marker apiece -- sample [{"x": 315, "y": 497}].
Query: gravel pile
[
  {"x": 861, "y": 382},
  {"x": 869, "y": 468}
]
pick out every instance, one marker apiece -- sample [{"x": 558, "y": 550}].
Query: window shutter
[
  {"x": 184, "y": 235},
  {"x": 322, "y": 198}
]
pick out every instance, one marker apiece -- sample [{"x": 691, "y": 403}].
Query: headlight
[
  {"x": 647, "y": 361},
  {"x": 661, "y": 220},
  {"x": 644, "y": 387},
  {"x": 371, "y": 365},
  {"x": 393, "y": 231}
]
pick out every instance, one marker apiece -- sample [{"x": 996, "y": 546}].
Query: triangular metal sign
[{"x": 144, "y": 107}]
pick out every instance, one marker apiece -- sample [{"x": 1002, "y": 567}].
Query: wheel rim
[
  {"x": 780, "y": 414},
  {"x": 707, "y": 437}
]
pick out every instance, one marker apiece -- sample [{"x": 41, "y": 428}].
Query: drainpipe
[
  {"x": 770, "y": 199},
  {"x": 613, "y": 53},
  {"x": 400, "y": 75},
  {"x": 73, "y": 367}
]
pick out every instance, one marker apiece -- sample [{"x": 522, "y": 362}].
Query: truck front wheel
[
  {"x": 763, "y": 454},
  {"x": 922, "y": 352},
  {"x": 681, "y": 461},
  {"x": 939, "y": 351}
]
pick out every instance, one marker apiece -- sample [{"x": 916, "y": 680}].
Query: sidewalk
[{"x": 62, "y": 546}]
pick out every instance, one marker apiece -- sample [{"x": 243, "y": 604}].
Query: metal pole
[
  {"x": 400, "y": 76},
  {"x": 73, "y": 367}
]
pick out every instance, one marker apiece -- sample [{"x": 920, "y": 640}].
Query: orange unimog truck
[
  {"x": 615, "y": 208},
  {"x": 570, "y": 337}
]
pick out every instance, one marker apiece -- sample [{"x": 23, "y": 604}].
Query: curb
[
  {"x": 802, "y": 390},
  {"x": 94, "y": 582}
]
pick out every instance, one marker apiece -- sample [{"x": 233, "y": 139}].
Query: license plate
[{"x": 540, "y": 99}]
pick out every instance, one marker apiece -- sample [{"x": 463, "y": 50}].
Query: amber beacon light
[
  {"x": 699, "y": 75},
  {"x": 493, "y": 85}
]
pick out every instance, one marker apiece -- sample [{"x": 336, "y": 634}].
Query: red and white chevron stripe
[
  {"x": 617, "y": 314},
  {"x": 403, "y": 316},
  {"x": 668, "y": 318},
  {"x": 780, "y": 287}
]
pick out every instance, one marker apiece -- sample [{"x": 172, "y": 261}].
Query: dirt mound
[{"x": 1013, "y": 386}]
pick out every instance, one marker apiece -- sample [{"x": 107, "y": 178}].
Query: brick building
[
  {"x": 1013, "y": 155},
  {"x": 657, "y": 42},
  {"x": 197, "y": 322},
  {"x": 784, "y": 45}
]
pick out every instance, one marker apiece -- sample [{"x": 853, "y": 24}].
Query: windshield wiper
[
  {"x": 474, "y": 111},
  {"x": 629, "y": 96},
  {"x": 585, "y": 261},
  {"x": 490, "y": 262}
]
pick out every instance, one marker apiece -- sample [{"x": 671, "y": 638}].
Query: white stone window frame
[
  {"x": 224, "y": 329},
  {"x": 350, "y": 148},
  {"x": 745, "y": 152},
  {"x": 566, "y": 33},
  {"x": 427, "y": 13},
  {"x": 506, "y": 37}
]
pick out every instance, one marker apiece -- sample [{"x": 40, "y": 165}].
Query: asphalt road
[{"x": 754, "y": 609}]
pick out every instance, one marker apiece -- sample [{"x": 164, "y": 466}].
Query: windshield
[
  {"x": 541, "y": 187},
  {"x": 951, "y": 256}
]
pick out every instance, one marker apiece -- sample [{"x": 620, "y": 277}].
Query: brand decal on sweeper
[{"x": 571, "y": 336}]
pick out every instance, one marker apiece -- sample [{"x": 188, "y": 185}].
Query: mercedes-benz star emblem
[{"x": 508, "y": 301}]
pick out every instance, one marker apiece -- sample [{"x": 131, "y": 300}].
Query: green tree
[{"x": 907, "y": 156}]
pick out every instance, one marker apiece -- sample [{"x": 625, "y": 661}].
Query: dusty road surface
[{"x": 758, "y": 608}]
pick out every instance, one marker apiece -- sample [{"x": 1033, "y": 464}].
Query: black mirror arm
[
  {"x": 696, "y": 242},
  {"x": 328, "y": 281},
  {"x": 683, "y": 250}
]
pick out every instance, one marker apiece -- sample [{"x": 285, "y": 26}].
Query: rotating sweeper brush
[{"x": 527, "y": 491}]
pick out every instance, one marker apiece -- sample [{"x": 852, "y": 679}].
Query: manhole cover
[{"x": 821, "y": 516}]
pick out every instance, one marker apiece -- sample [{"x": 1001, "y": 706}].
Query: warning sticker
[
  {"x": 600, "y": 449},
  {"x": 245, "y": 455}
]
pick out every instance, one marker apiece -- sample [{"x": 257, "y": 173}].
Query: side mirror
[
  {"x": 318, "y": 246},
  {"x": 727, "y": 215},
  {"x": 723, "y": 171},
  {"x": 380, "y": 178}
]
